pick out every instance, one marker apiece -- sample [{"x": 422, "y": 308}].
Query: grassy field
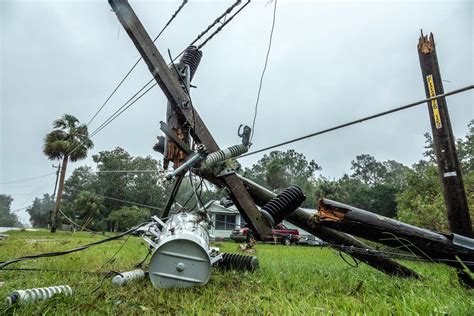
[{"x": 292, "y": 280}]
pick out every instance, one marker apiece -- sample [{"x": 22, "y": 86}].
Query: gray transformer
[{"x": 182, "y": 256}]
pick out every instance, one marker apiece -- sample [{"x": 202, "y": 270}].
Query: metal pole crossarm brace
[{"x": 178, "y": 99}]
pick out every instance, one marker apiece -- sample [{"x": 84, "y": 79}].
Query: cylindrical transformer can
[{"x": 181, "y": 258}]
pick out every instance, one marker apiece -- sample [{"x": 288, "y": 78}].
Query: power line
[
  {"x": 222, "y": 26},
  {"x": 403, "y": 107},
  {"x": 19, "y": 209},
  {"x": 263, "y": 72},
  {"x": 217, "y": 20},
  {"x": 129, "y": 171},
  {"x": 115, "y": 199},
  {"x": 28, "y": 179},
  {"x": 117, "y": 113},
  {"x": 136, "y": 63},
  {"x": 124, "y": 107},
  {"x": 60, "y": 253},
  {"x": 390, "y": 254}
]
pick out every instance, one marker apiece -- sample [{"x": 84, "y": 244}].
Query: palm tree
[
  {"x": 68, "y": 141},
  {"x": 89, "y": 206}
]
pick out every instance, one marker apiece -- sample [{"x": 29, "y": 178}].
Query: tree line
[{"x": 122, "y": 190}]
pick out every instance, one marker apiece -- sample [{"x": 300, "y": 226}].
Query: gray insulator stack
[
  {"x": 233, "y": 261},
  {"x": 224, "y": 154},
  {"x": 30, "y": 296},
  {"x": 191, "y": 57},
  {"x": 283, "y": 204},
  {"x": 126, "y": 277}
]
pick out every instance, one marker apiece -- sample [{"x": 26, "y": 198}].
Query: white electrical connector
[
  {"x": 126, "y": 277},
  {"x": 30, "y": 296}
]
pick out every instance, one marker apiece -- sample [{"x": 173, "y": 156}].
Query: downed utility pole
[
  {"x": 303, "y": 219},
  {"x": 423, "y": 242},
  {"x": 443, "y": 141},
  {"x": 181, "y": 103}
]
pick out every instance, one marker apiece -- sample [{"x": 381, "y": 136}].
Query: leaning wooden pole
[
  {"x": 443, "y": 141},
  {"x": 303, "y": 218},
  {"x": 181, "y": 103},
  {"x": 57, "y": 205}
]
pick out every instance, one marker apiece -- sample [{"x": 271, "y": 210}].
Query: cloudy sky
[{"x": 331, "y": 62}]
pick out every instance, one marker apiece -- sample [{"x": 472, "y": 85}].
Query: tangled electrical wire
[{"x": 65, "y": 252}]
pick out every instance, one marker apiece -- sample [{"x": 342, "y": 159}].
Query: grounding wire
[{"x": 263, "y": 72}]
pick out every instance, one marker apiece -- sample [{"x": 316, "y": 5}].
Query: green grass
[{"x": 292, "y": 280}]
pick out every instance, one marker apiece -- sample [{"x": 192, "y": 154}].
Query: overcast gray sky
[{"x": 331, "y": 61}]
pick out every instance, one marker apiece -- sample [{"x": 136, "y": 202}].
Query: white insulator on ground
[
  {"x": 30, "y": 296},
  {"x": 224, "y": 154},
  {"x": 126, "y": 277}
]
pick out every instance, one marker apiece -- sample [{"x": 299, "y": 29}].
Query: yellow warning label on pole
[{"x": 434, "y": 103}]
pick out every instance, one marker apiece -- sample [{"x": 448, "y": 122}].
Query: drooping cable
[
  {"x": 65, "y": 252},
  {"x": 263, "y": 71}
]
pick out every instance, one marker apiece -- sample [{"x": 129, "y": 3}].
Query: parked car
[
  {"x": 280, "y": 234},
  {"x": 309, "y": 240}
]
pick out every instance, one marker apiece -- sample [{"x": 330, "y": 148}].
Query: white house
[{"x": 226, "y": 219}]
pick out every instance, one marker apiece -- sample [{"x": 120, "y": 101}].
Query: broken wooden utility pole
[
  {"x": 443, "y": 141},
  {"x": 420, "y": 241},
  {"x": 181, "y": 103},
  {"x": 303, "y": 218}
]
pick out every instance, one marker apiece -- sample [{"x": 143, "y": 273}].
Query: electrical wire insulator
[
  {"x": 224, "y": 154},
  {"x": 283, "y": 204},
  {"x": 126, "y": 277},
  {"x": 233, "y": 261},
  {"x": 30, "y": 296},
  {"x": 191, "y": 57}
]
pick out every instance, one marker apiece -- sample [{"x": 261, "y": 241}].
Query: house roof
[{"x": 214, "y": 206}]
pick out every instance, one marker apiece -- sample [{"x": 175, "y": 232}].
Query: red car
[{"x": 281, "y": 234}]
